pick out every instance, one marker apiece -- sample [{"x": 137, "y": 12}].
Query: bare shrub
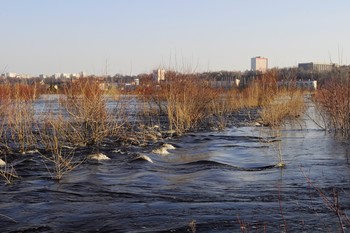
[
  {"x": 285, "y": 104},
  {"x": 334, "y": 100},
  {"x": 224, "y": 103},
  {"x": 8, "y": 173},
  {"x": 87, "y": 121},
  {"x": 249, "y": 97},
  {"x": 276, "y": 103},
  {"x": 63, "y": 160},
  {"x": 3, "y": 127},
  {"x": 187, "y": 101},
  {"x": 260, "y": 91},
  {"x": 19, "y": 116}
]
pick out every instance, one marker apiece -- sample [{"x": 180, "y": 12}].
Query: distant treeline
[{"x": 283, "y": 74}]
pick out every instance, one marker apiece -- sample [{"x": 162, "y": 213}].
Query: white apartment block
[
  {"x": 15, "y": 75},
  {"x": 259, "y": 64},
  {"x": 11, "y": 75},
  {"x": 57, "y": 75},
  {"x": 159, "y": 75}
]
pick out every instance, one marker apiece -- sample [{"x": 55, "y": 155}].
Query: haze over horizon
[{"x": 136, "y": 36}]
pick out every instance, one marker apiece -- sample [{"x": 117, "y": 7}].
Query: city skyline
[{"x": 133, "y": 37}]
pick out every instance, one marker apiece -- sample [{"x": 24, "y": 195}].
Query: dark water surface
[{"x": 222, "y": 180}]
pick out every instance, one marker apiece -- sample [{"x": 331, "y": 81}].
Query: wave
[{"x": 209, "y": 164}]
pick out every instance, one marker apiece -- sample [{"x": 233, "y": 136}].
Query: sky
[{"x": 136, "y": 36}]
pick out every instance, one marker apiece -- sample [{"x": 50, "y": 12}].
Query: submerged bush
[
  {"x": 17, "y": 116},
  {"x": 276, "y": 103},
  {"x": 285, "y": 104},
  {"x": 334, "y": 99},
  {"x": 87, "y": 120},
  {"x": 187, "y": 101},
  {"x": 179, "y": 104}
]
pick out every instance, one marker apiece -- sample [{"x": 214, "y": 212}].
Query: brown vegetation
[
  {"x": 17, "y": 91},
  {"x": 82, "y": 119},
  {"x": 87, "y": 114},
  {"x": 182, "y": 103},
  {"x": 285, "y": 104},
  {"x": 189, "y": 103},
  {"x": 334, "y": 100},
  {"x": 276, "y": 102}
]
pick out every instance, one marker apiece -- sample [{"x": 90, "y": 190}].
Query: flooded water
[{"x": 221, "y": 181}]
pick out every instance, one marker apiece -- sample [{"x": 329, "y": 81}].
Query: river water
[{"x": 222, "y": 181}]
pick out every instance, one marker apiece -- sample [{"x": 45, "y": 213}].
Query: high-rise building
[
  {"x": 159, "y": 75},
  {"x": 259, "y": 64}
]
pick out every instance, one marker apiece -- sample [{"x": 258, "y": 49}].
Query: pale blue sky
[{"x": 136, "y": 36}]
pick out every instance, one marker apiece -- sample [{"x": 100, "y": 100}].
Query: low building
[
  {"x": 11, "y": 75},
  {"x": 57, "y": 75},
  {"x": 23, "y": 76},
  {"x": 319, "y": 67},
  {"x": 65, "y": 75},
  {"x": 301, "y": 84}
]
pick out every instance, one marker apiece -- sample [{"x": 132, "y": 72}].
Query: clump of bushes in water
[
  {"x": 81, "y": 120},
  {"x": 188, "y": 103},
  {"x": 333, "y": 99},
  {"x": 87, "y": 120},
  {"x": 17, "y": 115},
  {"x": 278, "y": 102},
  {"x": 181, "y": 104}
]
